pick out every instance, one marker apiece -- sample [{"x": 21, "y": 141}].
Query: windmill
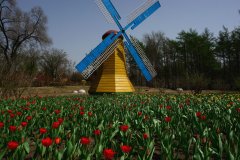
[{"x": 109, "y": 54}]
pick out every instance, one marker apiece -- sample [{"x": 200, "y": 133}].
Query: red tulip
[
  {"x": 29, "y": 118},
  {"x": 203, "y": 117},
  {"x": 180, "y": 106},
  {"x": 26, "y": 108},
  {"x": 81, "y": 108},
  {"x": 10, "y": 111},
  {"x": 43, "y": 130},
  {"x": 126, "y": 149},
  {"x": 55, "y": 124},
  {"x": 139, "y": 113},
  {"x": 12, "y": 145},
  {"x": 12, "y": 115},
  {"x": 60, "y": 120},
  {"x": 90, "y": 113},
  {"x": 47, "y": 142},
  {"x": 124, "y": 128},
  {"x": 34, "y": 102},
  {"x": 24, "y": 124},
  {"x": 109, "y": 153},
  {"x": 81, "y": 113},
  {"x": 238, "y": 110},
  {"x": 198, "y": 114},
  {"x": 28, "y": 104},
  {"x": 168, "y": 107},
  {"x": 196, "y": 136},
  {"x": 168, "y": 119},
  {"x": 19, "y": 113},
  {"x": 57, "y": 111},
  {"x": 85, "y": 140},
  {"x": 97, "y": 132},
  {"x": 12, "y": 128},
  {"x": 145, "y": 135},
  {"x": 1, "y": 124},
  {"x": 57, "y": 140}
]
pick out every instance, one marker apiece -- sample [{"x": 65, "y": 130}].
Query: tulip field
[{"x": 124, "y": 126}]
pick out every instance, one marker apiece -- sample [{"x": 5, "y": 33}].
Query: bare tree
[
  {"x": 156, "y": 44},
  {"x": 18, "y": 32},
  {"x": 55, "y": 64},
  {"x": 18, "y": 29},
  {"x": 20, "y": 75}
]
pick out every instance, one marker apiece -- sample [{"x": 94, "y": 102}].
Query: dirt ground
[
  {"x": 68, "y": 90},
  {"x": 53, "y": 91}
]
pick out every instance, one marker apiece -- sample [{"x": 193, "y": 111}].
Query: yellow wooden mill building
[{"x": 111, "y": 77}]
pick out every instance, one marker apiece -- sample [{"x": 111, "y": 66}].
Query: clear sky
[{"x": 76, "y": 26}]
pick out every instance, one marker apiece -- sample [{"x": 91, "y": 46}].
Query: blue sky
[{"x": 76, "y": 26}]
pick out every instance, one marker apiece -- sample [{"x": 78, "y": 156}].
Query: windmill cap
[{"x": 109, "y": 32}]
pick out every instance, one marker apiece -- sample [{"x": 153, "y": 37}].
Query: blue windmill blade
[
  {"x": 97, "y": 56},
  {"x": 139, "y": 15},
  {"x": 140, "y": 58},
  {"x": 139, "y": 61},
  {"x": 99, "y": 61},
  {"x": 144, "y": 58}
]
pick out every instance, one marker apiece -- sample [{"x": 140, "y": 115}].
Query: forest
[{"x": 193, "y": 60}]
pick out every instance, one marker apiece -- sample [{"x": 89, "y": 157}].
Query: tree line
[{"x": 193, "y": 60}]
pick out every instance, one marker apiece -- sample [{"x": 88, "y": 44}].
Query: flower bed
[{"x": 135, "y": 126}]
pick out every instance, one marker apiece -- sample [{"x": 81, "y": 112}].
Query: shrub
[{"x": 198, "y": 82}]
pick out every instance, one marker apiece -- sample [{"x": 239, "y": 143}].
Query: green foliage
[
  {"x": 237, "y": 82},
  {"x": 198, "y": 82}
]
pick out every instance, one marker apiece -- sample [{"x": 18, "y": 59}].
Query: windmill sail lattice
[
  {"x": 140, "y": 10},
  {"x": 97, "y": 63},
  {"x": 104, "y": 11},
  {"x": 144, "y": 57}
]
